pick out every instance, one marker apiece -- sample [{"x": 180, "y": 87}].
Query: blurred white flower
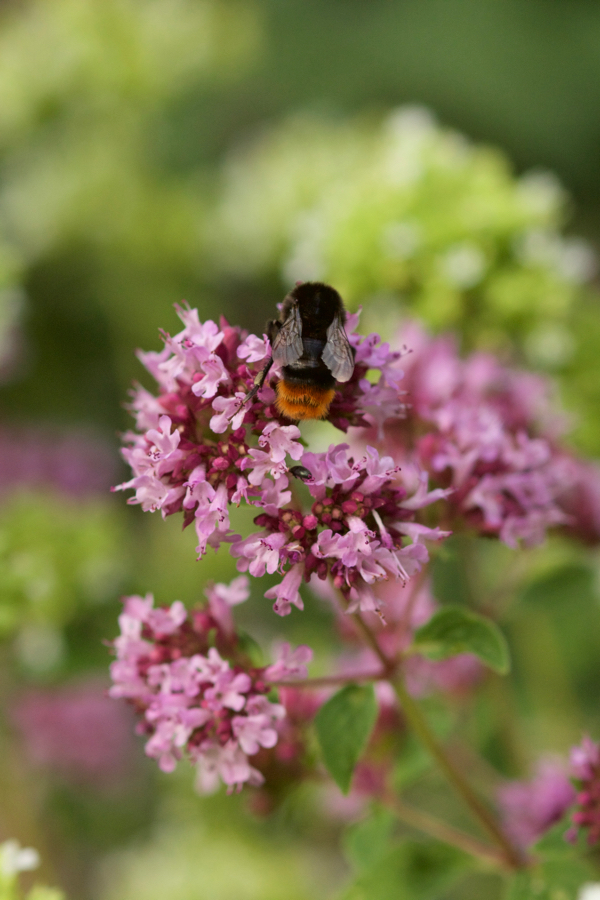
[
  {"x": 577, "y": 261},
  {"x": 463, "y": 265},
  {"x": 541, "y": 192},
  {"x": 589, "y": 891},
  {"x": 14, "y": 858},
  {"x": 401, "y": 239},
  {"x": 550, "y": 346}
]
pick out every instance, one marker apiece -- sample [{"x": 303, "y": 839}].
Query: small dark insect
[
  {"x": 300, "y": 472},
  {"x": 310, "y": 342}
]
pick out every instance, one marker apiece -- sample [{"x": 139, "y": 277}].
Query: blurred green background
[{"x": 215, "y": 150}]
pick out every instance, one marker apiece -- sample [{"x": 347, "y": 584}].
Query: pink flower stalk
[
  {"x": 75, "y": 463},
  {"x": 205, "y": 702},
  {"x": 585, "y": 770},
  {"x": 485, "y": 431},
  {"x": 76, "y": 732},
  {"x": 530, "y": 808}
]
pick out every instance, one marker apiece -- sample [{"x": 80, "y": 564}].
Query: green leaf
[
  {"x": 412, "y": 763},
  {"x": 554, "y": 880},
  {"x": 45, "y": 893},
  {"x": 413, "y": 870},
  {"x": 453, "y": 630},
  {"x": 448, "y": 571},
  {"x": 367, "y": 842},
  {"x": 344, "y": 725},
  {"x": 560, "y": 585},
  {"x": 553, "y": 843}
]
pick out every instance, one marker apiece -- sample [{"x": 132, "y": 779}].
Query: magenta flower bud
[{"x": 585, "y": 770}]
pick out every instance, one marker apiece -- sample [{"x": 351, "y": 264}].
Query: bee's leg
[
  {"x": 272, "y": 328},
  {"x": 259, "y": 381}
]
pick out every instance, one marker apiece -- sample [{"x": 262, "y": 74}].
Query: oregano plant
[{"x": 434, "y": 446}]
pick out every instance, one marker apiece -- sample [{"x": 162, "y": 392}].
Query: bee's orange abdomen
[{"x": 303, "y": 401}]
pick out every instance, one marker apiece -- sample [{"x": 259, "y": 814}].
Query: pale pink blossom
[
  {"x": 290, "y": 663},
  {"x": 530, "y": 808},
  {"x": 214, "y": 375},
  {"x": 254, "y": 349},
  {"x": 287, "y": 593},
  {"x": 230, "y": 412}
]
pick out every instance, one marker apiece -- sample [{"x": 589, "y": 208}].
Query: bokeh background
[{"x": 439, "y": 159}]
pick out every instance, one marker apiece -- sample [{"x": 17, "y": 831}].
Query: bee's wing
[
  {"x": 338, "y": 355},
  {"x": 287, "y": 346}
]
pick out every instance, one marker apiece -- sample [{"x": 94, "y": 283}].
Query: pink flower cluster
[
  {"x": 179, "y": 462},
  {"x": 362, "y": 516},
  {"x": 485, "y": 431},
  {"x": 585, "y": 770},
  {"x": 76, "y": 732},
  {"x": 530, "y": 808},
  {"x": 206, "y": 701},
  {"x": 353, "y": 533},
  {"x": 76, "y": 463}
]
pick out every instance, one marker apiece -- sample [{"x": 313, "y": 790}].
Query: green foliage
[
  {"x": 57, "y": 556},
  {"x": 412, "y": 211},
  {"x": 551, "y": 881},
  {"x": 111, "y": 211},
  {"x": 194, "y": 857},
  {"x": 559, "y": 585},
  {"x": 559, "y": 875},
  {"x": 344, "y": 725},
  {"x": 45, "y": 893},
  {"x": 454, "y": 630},
  {"x": 412, "y": 870},
  {"x": 368, "y": 841},
  {"x": 448, "y": 571}
]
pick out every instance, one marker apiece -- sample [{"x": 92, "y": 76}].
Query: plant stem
[
  {"x": 389, "y": 666},
  {"x": 434, "y": 827},
  {"x": 419, "y": 724},
  {"x": 510, "y": 854},
  {"x": 327, "y": 680}
]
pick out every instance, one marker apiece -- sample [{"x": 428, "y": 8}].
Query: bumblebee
[{"x": 310, "y": 342}]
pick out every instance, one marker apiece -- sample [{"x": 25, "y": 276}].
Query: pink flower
[
  {"x": 212, "y": 522},
  {"x": 286, "y": 594},
  {"x": 228, "y": 691},
  {"x": 486, "y": 432},
  {"x": 273, "y": 495},
  {"x": 585, "y": 759},
  {"x": 192, "y": 699},
  {"x": 254, "y": 349},
  {"x": 530, "y": 808},
  {"x": 215, "y": 374},
  {"x": 221, "y": 597},
  {"x": 230, "y": 413},
  {"x": 259, "y": 553},
  {"x": 585, "y": 769},
  {"x": 281, "y": 441},
  {"x": 255, "y": 729},
  {"x": 290, "y": 663},
  {"x": 76, "y": 732},
  {"x": 229, "y": 763},
  {"x": 164, "y": 442}
]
